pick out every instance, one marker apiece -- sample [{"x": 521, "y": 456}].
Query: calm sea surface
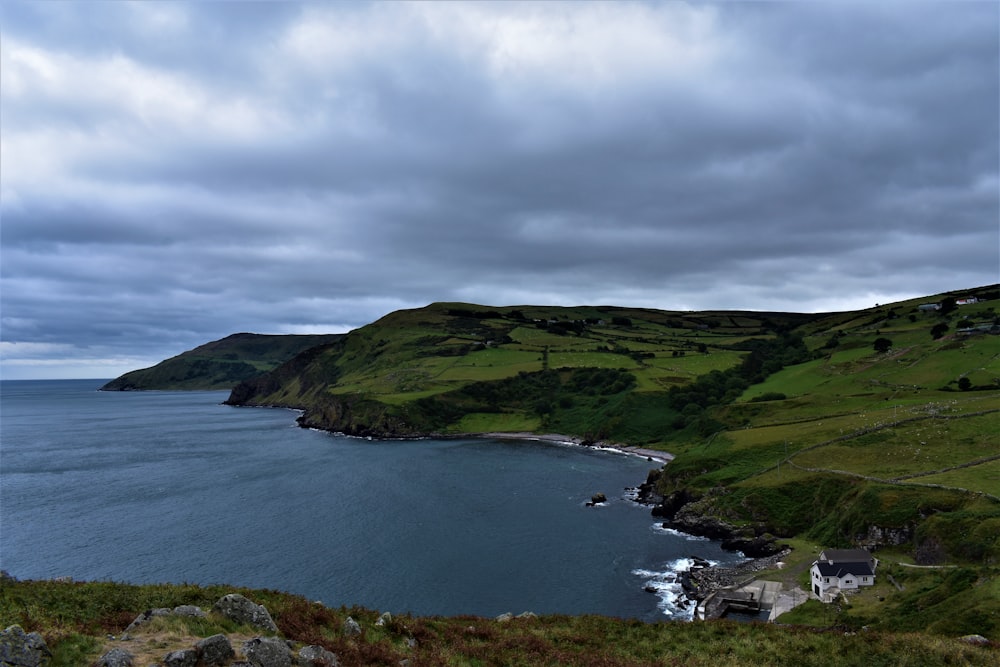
[{"x": 176, "y": 487}]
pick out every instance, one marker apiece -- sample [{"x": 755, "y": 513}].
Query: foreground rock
[
  {"x": 187, "y": 657},
  {"x": 267, "y": 652},
  {"x": 215, "y": 650},
  {"x": 23, "y": 649},
  {"x": 317, "y": 656},
  {"x": 116, "y": 657},
  {"x": 237, "y": 608}
]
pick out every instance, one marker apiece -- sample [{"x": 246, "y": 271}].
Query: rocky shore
[
  {"x": 704, "y": 579},
  {"x": 681, "y": 511}
]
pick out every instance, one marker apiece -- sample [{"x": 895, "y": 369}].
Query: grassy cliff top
[{"x": 82, "y": 621}]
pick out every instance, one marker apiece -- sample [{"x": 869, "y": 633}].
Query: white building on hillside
[{"x": 839, "y": 570}]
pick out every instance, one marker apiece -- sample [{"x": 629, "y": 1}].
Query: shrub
[
  {"x": 768, "y": 396},
  {"x": 882, "y": 345}
]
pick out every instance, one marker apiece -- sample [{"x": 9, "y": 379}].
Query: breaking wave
[
  {"x": 659, "y": 528},
  {"x": 666, "y": 585}
]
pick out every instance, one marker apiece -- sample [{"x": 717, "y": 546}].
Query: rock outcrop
[
  {"x": 597, "y": 499},
  {"x": 237, "y": 608},
  {"x": 215, "y": 650},
  {"x": 351, "y": 627},
  {"x": 116, "y": 657},
  {"x": 666, "y": 507},
  {"x": 267, "y": 652},
  {"x": 760, "y": 546},
  {"x": 187, "y": 657},
  {"x": 701, "y": 581},
  {"x": 22, "y": 649},
  {"x": 317, "y": 656}
]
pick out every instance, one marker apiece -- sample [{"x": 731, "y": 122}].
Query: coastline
[{"x": 649, "y": 454}]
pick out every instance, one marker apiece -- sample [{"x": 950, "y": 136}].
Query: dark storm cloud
[{"x": 174, "y": 172}]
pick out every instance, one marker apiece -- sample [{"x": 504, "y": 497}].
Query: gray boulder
[
  {"x": 184, "y": 658},
  {"x": 351, "y": 627},
  {"x": 317, "y": 656},
  {"x": 267, "y": 652},
  {"x": 215, "y": 650},
  {"x": 189, "y": 610},
  {"x": 384, "y": 619},
  {"x": 238, "y": 608},
  {"x": 146, "y": 617},
  {"x": 116, "y": 657},
  {"x": 22, "y": 649}
]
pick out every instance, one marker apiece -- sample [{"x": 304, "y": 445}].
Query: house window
[
  {"x": 865, "y": 579},
  {"x": 826, "y": 580}
]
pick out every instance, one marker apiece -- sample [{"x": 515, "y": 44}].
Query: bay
[{"x": 148, "y": 487}]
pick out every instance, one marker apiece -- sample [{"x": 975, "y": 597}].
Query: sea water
[{"x": 147, "y": 487}]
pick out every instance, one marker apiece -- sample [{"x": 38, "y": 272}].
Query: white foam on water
[
  {"x": 660, "y": 528},
  {"x": 666, "y": 585}
]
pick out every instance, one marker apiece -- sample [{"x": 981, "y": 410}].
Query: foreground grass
[{"x": 75, "y": 619}]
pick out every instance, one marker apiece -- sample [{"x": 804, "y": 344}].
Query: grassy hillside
[
  {"x": 593, "y": 372},
  {"x": 863, "y": 447},
  {"x": 220, "y": 364},
  {"x": 878, "y": 428},
  {"x": 81, "y": 621}
]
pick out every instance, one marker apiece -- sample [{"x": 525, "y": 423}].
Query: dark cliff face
[
  {"x": 264, "y": 389},
  {"x": 357, "y": 416},
  {"x": 303, "y": 383}
]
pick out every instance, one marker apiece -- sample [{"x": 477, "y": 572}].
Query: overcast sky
[{"x": 173, "y": 172}]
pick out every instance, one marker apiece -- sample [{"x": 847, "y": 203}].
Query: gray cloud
[{"x": 175, "y": 172}]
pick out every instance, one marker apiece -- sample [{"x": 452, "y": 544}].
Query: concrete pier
[{"x": 755, "y": 596}]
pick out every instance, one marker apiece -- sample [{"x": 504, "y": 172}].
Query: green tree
[
  {"x": 964, "y": 383},
  {"x": 882, "y": 345},
  {"x": 938, "y": 330}
]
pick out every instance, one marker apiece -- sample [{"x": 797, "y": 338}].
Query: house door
[{"x": 816, "y": 588}]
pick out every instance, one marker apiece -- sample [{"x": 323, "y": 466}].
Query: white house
[{"x": 839, "y": 570}]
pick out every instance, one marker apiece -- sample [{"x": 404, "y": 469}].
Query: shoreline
[{"x": 556, "y": 438}]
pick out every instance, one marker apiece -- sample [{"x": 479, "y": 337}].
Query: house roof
[
  {"x": 858, "y": 569},
  {"x": 846, "y": 556}
]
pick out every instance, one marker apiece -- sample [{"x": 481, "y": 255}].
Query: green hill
[
  {"x": 593, "y": 372},
  {"x": 220, "y": 364},
  {"x": 878, "y": 428}
]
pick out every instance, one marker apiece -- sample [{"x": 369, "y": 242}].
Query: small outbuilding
[{"x": 841, "y": 570}]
